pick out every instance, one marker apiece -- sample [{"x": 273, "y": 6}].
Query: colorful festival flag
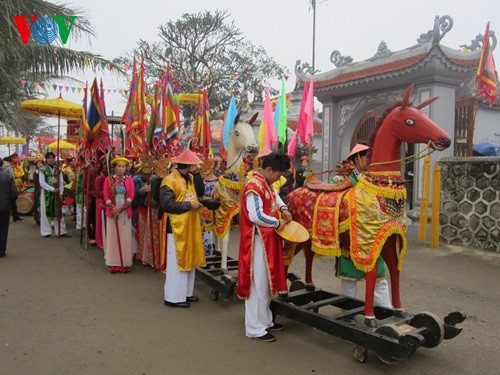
[
  {"x": 280, "y": 119},
  {"x": 96, "y": 123},
  {"x": 292, "y": 145},
  {"x": 202, "y": 133},
  {"x": 135, "y": 116},
  {"x": 305, "y": 126},
  {"x": 267, "y": 132},
  {"x": 170, "y": 116},
  {"x": 155, "y": 128},
  {"x": 487, "y": 74},
  {"x": 229, "y": 122}
]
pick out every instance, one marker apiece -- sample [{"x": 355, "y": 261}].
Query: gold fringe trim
[
  {"x": 385, "y": 173},
  {"x": 384, "y": 234},
  {"x": 235, "y": 185},
  {"x": 325, "y": 250},
  {"x": 226, "y": 225},
  {"x": 393, "y": 192}
]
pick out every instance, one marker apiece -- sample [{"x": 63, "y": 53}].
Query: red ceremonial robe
[{"x": 272, "y": 242}]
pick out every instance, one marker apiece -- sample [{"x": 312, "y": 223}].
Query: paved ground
[{"x": 61, "y": 312}]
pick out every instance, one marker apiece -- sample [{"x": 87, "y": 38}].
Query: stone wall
[{"x": 470, "y": 202}]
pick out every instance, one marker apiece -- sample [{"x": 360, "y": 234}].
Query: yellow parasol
[
  {"x": 57, "y": 107},
  {"x": 61, "y": 145},
  {"x": 8, "y": 140}
]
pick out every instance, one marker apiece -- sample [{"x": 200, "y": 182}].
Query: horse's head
[
  {"x": 242, "y": 137},
  {"x": 411, "y": 125}
]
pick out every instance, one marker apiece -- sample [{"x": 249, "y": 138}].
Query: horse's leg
[
  {"x": 309, "y": 257},
  {"x": 390, "y": 253},
  {"x": 370, "y": 279},
  {"x": 223, "y": 248}
]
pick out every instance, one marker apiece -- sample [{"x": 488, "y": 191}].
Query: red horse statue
[{"x": 368, "y": 220}]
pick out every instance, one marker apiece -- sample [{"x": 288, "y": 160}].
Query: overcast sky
[{"x": 284, "y": 28}]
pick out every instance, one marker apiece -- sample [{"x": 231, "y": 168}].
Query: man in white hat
[{"x": 185, "y": 252}]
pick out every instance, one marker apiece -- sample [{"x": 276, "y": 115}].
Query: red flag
[{"x": 487, "y": 75}]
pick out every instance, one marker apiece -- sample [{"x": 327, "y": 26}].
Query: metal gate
[
  {"x": 364, "y": 128},
  {"x": 464, "y": 123}
]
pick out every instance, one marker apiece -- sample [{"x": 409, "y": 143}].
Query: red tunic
[{"x": 272, "y": 243}]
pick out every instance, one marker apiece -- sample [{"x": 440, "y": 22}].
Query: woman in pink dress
[{"x": 118, "y": 196}]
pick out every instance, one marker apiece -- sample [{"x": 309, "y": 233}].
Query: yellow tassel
[
  {"x": 436, "y": 205},
  {"x": 255, "y": 163},
  {"x": 226, "y": 182},
  {"x": 424, "y": 204},
  {"x": 396, "y": 192}
]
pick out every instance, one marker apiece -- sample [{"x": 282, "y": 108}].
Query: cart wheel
[
  {"x": 434, "y": 332},
  {"x": 297, "y": 285},
  {"x": 214, "y": 294},
  {"x": 360, "y": 354},
  {"x": 387, "y": 359},
  {"x": 392, "y": 331}
]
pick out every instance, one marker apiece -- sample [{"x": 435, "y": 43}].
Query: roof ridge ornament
[
  {"x": 477, "y": 43},
  {"x": 441, "y": 26},
  {"x": 382, "y": 51},
  {"x": 338, "y": 60},
  {"x": 303, "y": 72}
]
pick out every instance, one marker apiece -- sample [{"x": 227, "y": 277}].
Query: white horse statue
[{"x": 241, "y": 142}]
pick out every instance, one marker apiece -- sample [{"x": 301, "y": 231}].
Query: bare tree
[{"x": 206, "y": 50}]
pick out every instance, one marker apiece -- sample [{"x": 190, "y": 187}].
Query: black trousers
[
  {"x": 4, "y": 230},
  {"x": 13, "y": 208},
  {"x": 36, "y": 210}
]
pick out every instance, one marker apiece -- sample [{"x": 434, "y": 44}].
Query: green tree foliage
[
  {"x": 33, "y": 61},
  {"x": 206, "y": 50}
]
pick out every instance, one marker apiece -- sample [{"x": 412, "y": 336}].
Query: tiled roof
[
  {"x": 397, "y": 65},
  {"x": 372, "y": 71},
  {"x": 317, "y": 126},
  {"x": 462, "y": 62}
]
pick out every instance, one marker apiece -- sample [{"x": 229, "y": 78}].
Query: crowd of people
[{"x": 160, "y": 222}]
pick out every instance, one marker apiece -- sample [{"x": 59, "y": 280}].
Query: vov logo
[{"x": 44, "y": 30}]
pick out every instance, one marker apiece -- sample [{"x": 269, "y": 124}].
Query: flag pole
[
  {"x": 58, "y": 170},
  {"x": 151, "y": 229}
]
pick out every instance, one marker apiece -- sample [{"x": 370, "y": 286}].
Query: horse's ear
[
  {"x": 406, "y": 97},
  {"x": 426, "y": 102},
  {"x": 237, "y": 119},
  {"x": 254, "y": 117}
]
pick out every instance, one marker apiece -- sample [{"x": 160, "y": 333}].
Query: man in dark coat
[{"x": 8, "y": 195}]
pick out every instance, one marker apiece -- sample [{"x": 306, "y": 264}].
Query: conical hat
[
  {"x": 358, "y": 148},
  {"x": 187, "y": 157},
  {"x": 294, "y": 232}
]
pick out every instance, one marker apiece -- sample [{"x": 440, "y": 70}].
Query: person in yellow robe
[
  {"x": 185, "y": 252},
  {"x": 19, "y": 173}
]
